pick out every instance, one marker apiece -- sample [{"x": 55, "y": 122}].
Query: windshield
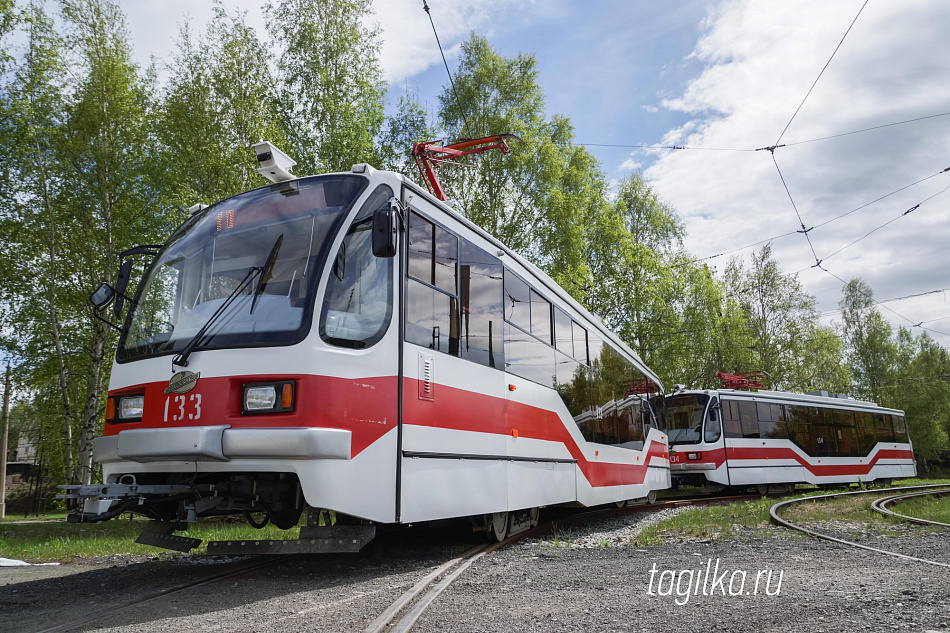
[
  {"x": 207, "y": 259},
  {"x": 684, "y": 418}
]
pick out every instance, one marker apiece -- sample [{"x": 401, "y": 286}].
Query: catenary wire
[
  {"x": 779, "y": 140},
  {"x": 838, "y": 217},
  {"x": 869, "y": 233},
  {"x": 458, "y": 102},
  {"x": 749, "y": 149},
  {"x": 867, "y": 129}
]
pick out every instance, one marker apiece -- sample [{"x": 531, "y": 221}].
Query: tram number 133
[{"x": 184, "y": 407}]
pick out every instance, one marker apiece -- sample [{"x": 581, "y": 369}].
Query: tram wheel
[
  {"x": 535, "y": 514},
  {"x": 763, "y": 489},
  {"x": 651, "y": 497},
  {"x": 498, "y": 526}
]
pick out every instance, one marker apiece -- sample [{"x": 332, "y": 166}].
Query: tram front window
[
  {"x": 684, "y": 418},
  {"x": 210, "y": 256}
]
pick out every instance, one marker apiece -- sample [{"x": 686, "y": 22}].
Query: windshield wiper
[
  {"x": 182, "y": 358},
  {"x": 267, "y": 271}
]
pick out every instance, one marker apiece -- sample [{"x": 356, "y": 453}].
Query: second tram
[{"x": 774, "y": 440}]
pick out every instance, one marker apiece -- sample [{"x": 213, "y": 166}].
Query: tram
[
  {"x": 773, "y": 440},
  {"x": 348, "y": 342}
]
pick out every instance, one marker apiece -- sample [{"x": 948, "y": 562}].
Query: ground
[{"x": 588, "y": 584}]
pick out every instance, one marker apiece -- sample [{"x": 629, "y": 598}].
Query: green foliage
[
  {"x": 872, "y": 353},
  {"x": 507, "y": 195},
  {"x": 409, "y": 125},
  {"x": 921, "y": 389},
  {"x": 330, "y": 81},
  {"x": 218, "y": 101}
]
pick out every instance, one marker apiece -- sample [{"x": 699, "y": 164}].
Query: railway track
[
  {"x": 881, "y": 505},
  {"x": 410, "y": 606},
  {"x": 919, "y": 490}
]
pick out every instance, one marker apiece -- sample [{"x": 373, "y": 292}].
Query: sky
[{"x": 723, "y": 79}]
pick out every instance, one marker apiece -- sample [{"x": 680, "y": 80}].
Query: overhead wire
[
  {"x": 867, "y": 129},
  {"x": 750, "y": 149},
  {"x": 872, "y": 231},
  {"x": 837, "y": 217},
  {"x": 779, "y": 140},
  {"x": 458, "y": 102}
]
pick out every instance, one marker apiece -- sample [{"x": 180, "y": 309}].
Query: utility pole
[{"x": 3, "y": 448}]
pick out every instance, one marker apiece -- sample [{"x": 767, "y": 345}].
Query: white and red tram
[
  {"x": 774, "y": 440},
  {"x": 275, "y": 357}
]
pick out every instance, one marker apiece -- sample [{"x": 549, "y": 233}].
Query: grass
[
  {"x": 930, "y": 508},
  {"x": 728, "y": 521},
  {"x": 561, "y": 537},
  {"x": 54, "y": 540}
]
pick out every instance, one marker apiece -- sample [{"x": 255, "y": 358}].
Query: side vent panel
[{"x": 426, "y": 376}]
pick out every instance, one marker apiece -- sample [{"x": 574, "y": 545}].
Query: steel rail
[
  {"x": 773, "y": 512},
  {"x": 881, "y": 505}
]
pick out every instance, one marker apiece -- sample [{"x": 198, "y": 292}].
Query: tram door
[
  {"x": 453, "y": 440},
  {"x": 713, "y": 435}
]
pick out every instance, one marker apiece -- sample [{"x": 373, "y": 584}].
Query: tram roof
[{"x": 840, "y": 401}]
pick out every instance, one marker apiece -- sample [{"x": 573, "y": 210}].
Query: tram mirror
[
  {"x": 102, "y": 296},
  {"x": 384, "y": 230},
  {"x": 121, "y": 283}
]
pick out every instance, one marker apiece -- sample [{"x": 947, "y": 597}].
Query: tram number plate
[
  {"x": 675, "y": 458},
  {"x": 183, "y": 407}
]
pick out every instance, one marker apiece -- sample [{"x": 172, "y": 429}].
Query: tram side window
[
  {"x": 825, "y": 442},
  {"x": 481, "y": 289},
  {"x": 864, "y": 423},
  {"x": 528, "y": 357},
  {"x": 432, "y": 309},
  {"x": 433, "y": 254},
  {"x": 613, "y": 386},
  {"x": 771, "y": 420},
  {"x": 900, "y": 429},
  {"x": 358, "y": 303},
  {"x": 517, "y": 301},
  {"x": 571, "y": 383},
  {"x": 712, "y": 430},
  {"x": 799, "y": 428},
  {"x": 540, "y": 317},
  {"x": 749, "y": 419},
  {"x": 846, "y": 433},
  {"x": 884, "y": 426},
  {"x": 431, "y": 318},
  {"x": 563, "y": 332},
  {"x": 731, "y": 422}
]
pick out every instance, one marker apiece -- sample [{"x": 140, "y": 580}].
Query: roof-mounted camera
[{"x": 273, "y": 163}]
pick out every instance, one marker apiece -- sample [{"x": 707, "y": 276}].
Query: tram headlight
[
  {"x": 272, "y": 397},
  {"x": 131, "y": 407}
]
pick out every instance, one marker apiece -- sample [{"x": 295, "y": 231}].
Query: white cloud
[
  {"x": 409, "y": 46},
  {"x": 760, "y": 60},
  {"x": 631, "y": 164},
  {"x": 650, "y": 109}
]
